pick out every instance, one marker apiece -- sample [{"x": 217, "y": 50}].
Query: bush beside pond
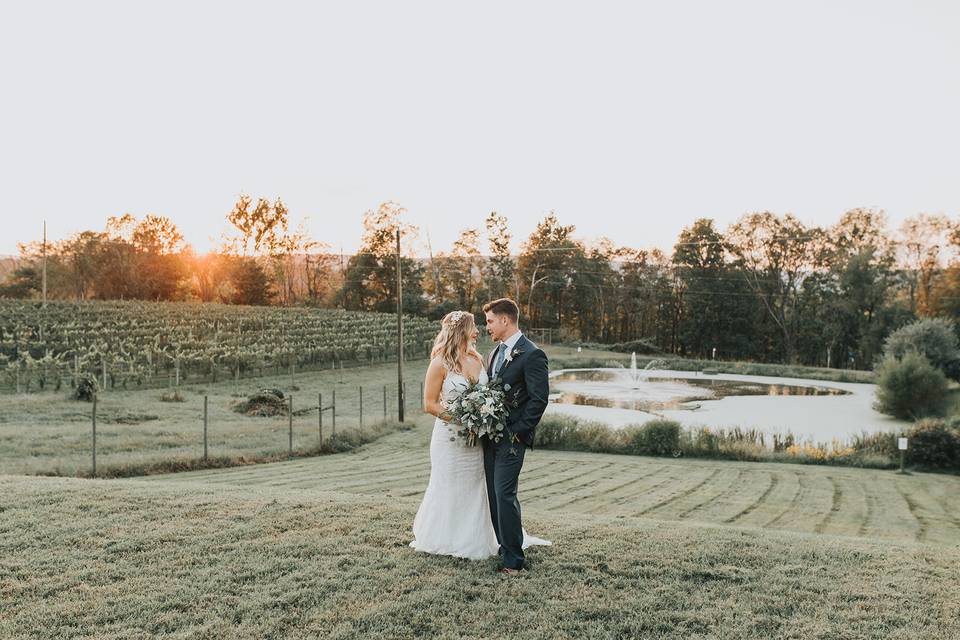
[{"x": 934, "y": 444}]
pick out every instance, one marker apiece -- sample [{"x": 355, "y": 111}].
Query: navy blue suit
[{"x": 526, "y": 383}]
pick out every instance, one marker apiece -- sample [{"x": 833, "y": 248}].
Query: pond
[{"x": 810, "y": 409}]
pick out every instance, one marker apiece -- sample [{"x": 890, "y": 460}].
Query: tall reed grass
[{"x": 935, "y": 443}]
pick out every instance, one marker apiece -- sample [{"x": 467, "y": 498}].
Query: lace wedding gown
[{"x": 454, "y": 517}]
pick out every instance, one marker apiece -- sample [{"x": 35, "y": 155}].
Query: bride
[{"x": 454, "y": 516}]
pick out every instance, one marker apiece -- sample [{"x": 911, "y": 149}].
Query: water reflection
[{"x": 617, "y": 389}]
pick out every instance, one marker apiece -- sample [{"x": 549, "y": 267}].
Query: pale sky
[{"x": 628, "y": 119}]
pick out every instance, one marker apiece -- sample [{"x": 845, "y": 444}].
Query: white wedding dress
[{"x": 454, "y": 517}]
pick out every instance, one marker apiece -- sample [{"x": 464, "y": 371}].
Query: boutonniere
[{"x": 512, "y": 354}]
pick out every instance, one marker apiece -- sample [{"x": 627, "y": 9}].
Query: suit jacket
[{"x": 526, "y": 384}]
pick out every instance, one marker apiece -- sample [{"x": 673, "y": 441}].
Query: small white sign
[{"x": 902, "y": 444}]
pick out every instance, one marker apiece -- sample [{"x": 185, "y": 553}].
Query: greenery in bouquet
[{"x": 479, "y": 411}]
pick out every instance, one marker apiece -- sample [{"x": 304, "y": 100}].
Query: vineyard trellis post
[
  {"x": 290, "y": 411},
  {"x": 93, "y": 416},
  {"x": 204, "y": 428}
]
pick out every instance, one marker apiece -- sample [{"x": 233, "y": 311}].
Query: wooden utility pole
[
  {"x": 400, "y": 402},
  {"x": 433, "y": 268},
  {"x": 44, "y": 303}
]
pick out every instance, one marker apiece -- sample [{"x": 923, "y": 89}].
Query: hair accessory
[{"x": 456, "y": 317}]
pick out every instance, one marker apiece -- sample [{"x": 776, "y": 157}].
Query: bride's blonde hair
[{"x": 453, "y": 342}]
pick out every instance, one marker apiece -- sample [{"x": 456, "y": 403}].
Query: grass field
[
  {"x": 49, "y": 433},
  {"x": 643, "y": 548},
  {"x": 862, "y": 503},
  {"x": 143, "y": 559}
]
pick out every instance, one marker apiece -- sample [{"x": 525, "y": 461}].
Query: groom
[{"x": 521, "y": 367}]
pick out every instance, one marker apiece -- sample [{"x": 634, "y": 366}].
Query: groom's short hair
[{"x": 504, "y": 307}]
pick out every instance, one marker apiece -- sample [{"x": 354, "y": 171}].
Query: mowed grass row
[
  {"x": 863, "y": 503},
  {"x": 134, "y": 559}
]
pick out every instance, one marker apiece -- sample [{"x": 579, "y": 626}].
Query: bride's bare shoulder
[{"x": 436, "y": 367}]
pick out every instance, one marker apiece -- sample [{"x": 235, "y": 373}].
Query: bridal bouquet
[{"x": 480, "y": 411}]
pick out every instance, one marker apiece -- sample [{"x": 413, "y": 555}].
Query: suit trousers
[{"x": 502, "y": 463}]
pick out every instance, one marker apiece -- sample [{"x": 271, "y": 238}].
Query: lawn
[
  {"x": 49, "y": 433},
  {"x": 864, "y": 503},
  {"x": 135, "y": 559},
  {"x": 643, "y": 548}
]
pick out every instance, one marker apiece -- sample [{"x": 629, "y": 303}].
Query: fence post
[
  {"x": 361, "y": 407},
  {"x": 384, "y": 403},
  {"x": 94, "y": 418},
  {"x": 290, "y": 398},
  {"x": 204, "y": 428},
  {"x": 320, "y": 412},
  {"x": 333, "y": 412},
  {"x": 421, "y": 394}
]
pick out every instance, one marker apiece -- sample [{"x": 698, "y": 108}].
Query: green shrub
[
  {"x": 569, "y": 433},
  {"x": 910, "y": 388},
  {"x": 934, "y": 445},
  {"x": 87, "y": 387},
  {"x": 934, "y": 338},
  {"x": 555, "y": 431},
  {"x": 654, "y": 438}
]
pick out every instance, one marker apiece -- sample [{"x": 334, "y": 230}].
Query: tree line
[{"x": 767, "y": 288}]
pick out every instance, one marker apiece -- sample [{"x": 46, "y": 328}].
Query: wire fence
[{"x": 311, "y": 423}]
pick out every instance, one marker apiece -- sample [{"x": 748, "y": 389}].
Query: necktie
[{"x": 499, "y": 361}]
